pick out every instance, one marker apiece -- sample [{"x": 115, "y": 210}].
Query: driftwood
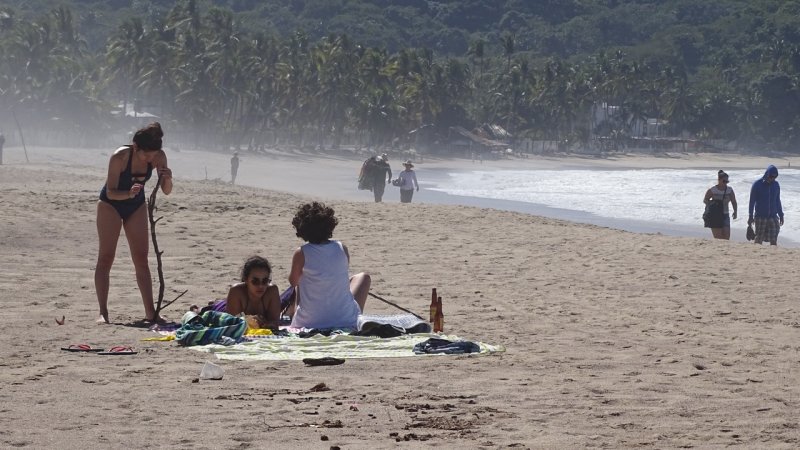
[
  {"x": 396, "y": 306},
  {"x": 21, "y": 137},
  {"x": 151, "y": 207}
]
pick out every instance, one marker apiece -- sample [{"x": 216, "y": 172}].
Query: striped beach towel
[
  {"x": 209, "y": 328},
  {"x": 337, "y": 345}
]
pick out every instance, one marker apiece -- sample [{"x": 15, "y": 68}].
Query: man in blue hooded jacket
[{"x": 765, "y": 207}]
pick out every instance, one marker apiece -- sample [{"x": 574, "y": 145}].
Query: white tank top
[
  {"x": 717, "y": 194},
  {"x": 325, "y": 298}
]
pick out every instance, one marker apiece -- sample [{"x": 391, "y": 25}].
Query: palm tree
[
  {"x": 126, "y": 53},
  {"x": 509, "y": 43}
]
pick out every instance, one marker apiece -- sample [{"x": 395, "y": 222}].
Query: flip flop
[
  {"x": 119, "y": 350},
  {"x": 326, "y": 361},
  {"x": 81, "y": 348}
]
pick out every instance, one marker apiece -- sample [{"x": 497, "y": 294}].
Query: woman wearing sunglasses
[
  {"x": 723, "y": 193},
  {"x": 256, "y": 296}
]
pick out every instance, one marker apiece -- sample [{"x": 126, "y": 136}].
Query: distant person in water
[
  {"x": 379, "y": 175},
  {"x": 765, "y": 210},
  {"x": 407, "y": 180},
  {"x": 723, "y": 193},
  {"x": 328, "y": 297},
  {"x": 2, "y": 142},
  {"x": 122, "y": 205},
  {"x": 256, "y": 297},
  {"x": 234, "y": 167}
]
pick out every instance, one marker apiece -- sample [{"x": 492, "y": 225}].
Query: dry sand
[{"x": 613, "y": 339}]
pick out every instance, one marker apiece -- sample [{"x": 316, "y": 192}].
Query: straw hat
[{"x": 408, "y": 163}]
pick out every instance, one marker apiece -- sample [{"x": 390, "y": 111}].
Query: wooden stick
[
  {"x": 396, "y": 306},
  {"x": 21, "y": 137},
  {"x": 151, "y": 206},
  {"x": 174, "y": 300}
]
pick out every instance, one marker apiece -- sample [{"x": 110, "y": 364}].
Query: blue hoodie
[{"x": 765, "y": 196}]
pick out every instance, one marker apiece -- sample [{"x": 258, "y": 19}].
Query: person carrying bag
[{"x": 714, "y": 215}]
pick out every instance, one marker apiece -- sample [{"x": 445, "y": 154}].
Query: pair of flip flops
[{"x": 116, "y": 350}]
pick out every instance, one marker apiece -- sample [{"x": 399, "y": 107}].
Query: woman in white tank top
[
  {"x": 721, "y": 191},
  {"x": 327, "y": 296}
]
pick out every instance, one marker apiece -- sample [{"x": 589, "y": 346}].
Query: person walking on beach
[
  {"x": 407, "y": 180},
  {"x": 721, "y": 192},
  {"x": 380, "y": 179},
  {"x": 765, "y": 207},
  {"x": 2, "y": 142},
  {"x": 328, "y": 297},
  {"x": 234, "y": 167},
  {"x": 122, "y": 205}
]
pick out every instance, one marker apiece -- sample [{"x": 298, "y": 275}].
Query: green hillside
[{"x": 375, "y": 70}]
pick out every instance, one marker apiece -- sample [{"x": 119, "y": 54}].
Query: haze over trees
[{"x": 321, "y": 72}]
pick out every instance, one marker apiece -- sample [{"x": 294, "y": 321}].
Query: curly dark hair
[
  {"x": 255, "y": 262},
  {"x": 314, "y": 222},
  {"x": 149, "y": 137}
]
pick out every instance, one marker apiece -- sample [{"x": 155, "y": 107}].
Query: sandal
[
  {"x": 81, "y": 348},
  {"x": 326, "y": 361},
  {"x": 119, "y": 350}
]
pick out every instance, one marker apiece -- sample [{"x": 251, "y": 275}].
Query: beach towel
[
  {"x": 211, "y": 326},
  {"x": 343, "y": 346},
  {"x": 408, "y": 322},
  {"x": 390, "y": 325}
]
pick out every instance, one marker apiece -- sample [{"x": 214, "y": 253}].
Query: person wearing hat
[
  {"x": 407, "y": 180},
  {"x": 379, "y": 173},
  {"x": 765, "y": 210},
  {"x": 234, "y": 167}
]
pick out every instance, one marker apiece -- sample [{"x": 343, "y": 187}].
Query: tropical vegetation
[{"x": 327, "y": 72}]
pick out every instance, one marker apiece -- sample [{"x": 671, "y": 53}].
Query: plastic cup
[{"x": 211, "y": 371}]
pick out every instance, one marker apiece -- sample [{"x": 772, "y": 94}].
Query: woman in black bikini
[
  {"x": 256, "y": 296},
  {"x": 122, "y": 205}
]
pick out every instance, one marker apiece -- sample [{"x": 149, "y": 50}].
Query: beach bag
[
  {"x": 397, "y": 182},
  {"x": 365, "y": 175},
  {"x": 750, "y": 233},
  {"x": 210, "y": 327},
  {"x": 714, "y": 215}
]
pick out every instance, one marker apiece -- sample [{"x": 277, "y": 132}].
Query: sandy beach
[{"x": 613, "y": 339}]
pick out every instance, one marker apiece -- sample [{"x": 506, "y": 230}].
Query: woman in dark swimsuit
[
  {"x": 122, "y": 205},
  {"x": 256, "y": 297}
]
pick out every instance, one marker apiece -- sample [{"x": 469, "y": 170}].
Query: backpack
[{"x": 365, "y": 178}]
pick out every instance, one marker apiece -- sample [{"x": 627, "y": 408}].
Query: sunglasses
[
  {"x": 260, "y": 281},
  {"x": 725, "y": 180}
]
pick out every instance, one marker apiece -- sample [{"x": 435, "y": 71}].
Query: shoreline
[{"x": 334, "y": 177}]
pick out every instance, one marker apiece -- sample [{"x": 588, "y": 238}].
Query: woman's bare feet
[{"x": 160, "y": 320}]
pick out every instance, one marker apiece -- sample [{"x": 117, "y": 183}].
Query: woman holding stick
[{"x": 122, "y": 205}]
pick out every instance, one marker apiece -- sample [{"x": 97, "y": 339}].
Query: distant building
[{"x": 460, "y": 139}]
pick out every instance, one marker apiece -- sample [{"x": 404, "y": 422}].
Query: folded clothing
[
  {"x": 443, "y": 346},
  {"x": 210, "y": 327}
]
